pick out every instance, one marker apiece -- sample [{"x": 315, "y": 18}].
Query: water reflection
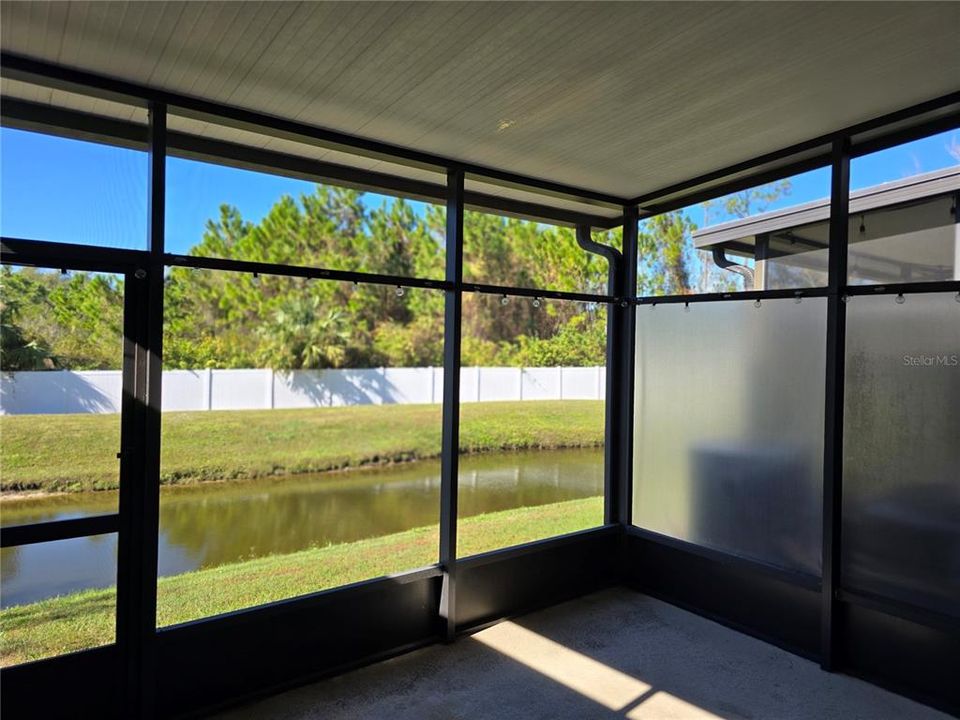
[{"x": 208, "y": 525}]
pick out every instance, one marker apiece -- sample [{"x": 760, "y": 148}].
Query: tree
[
  {"x": 665, "y": 246},
  {"x": 16, "y": 351},
  {"x": 51, "y": 320},
  {"x": 669, "y": 262},
  {"x": 216, "y": 319},
  {"x": 582, "y": 340},
  {"x": 303, "y": 334}
]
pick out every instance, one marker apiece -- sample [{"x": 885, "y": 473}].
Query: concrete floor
[{"x": 613, "y": 654}]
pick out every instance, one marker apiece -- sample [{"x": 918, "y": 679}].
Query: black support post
[
  {"x": 152, "y": 405},
  {"x": 626, "y": 348},
  {"x": 833, "y": 411},
  {"x": 450, "y": 449},
  {"x": 140, "y": 455},
  {"x": 129, "y": 608}
]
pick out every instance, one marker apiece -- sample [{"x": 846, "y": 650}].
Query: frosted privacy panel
[
  {"x": 729, "y": 427},
  {"x": 901, "y": 461}
]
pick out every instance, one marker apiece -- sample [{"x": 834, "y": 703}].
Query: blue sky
[{"x": 71, "y": 191}]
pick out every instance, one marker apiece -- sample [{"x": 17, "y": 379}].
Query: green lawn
[
  {"x": 70, "y": 453},
  {"x": 86, "y": 619}
]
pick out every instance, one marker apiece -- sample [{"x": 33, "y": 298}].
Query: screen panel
[
  {"x": 61, "y": 386},
  {"x": 904, "y": 225},
  {"x": 513, "y": 252},
  {"x": 769, "y": 237},
  {"x": 58, "y": 597},
  {"x": 224, "y": 207},
  {"x": 532, "y": 393},
  {"x": 66, "y": 190},
  {"x": 301, "y": 431}
]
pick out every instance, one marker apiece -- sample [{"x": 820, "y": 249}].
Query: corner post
[
  {"x": 833, "y": 410},
  {"x": 626, "y": 348}
]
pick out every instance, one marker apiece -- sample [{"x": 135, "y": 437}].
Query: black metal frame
[
  {"x": 768, "y": 602},
  {"x": 360, "y": 623},
  {"x": 17, "y": 535},
  {"x": 833, "y": 410},
  {"x": 450, "y": 440}
]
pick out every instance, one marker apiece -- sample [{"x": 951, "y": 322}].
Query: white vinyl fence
[{"x": 99, "y": 391}]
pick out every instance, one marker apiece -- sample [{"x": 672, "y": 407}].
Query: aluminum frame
[{"x": 839, "y": 606}]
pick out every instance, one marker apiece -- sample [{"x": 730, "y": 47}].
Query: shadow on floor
[{"x": 613, "y": 654}]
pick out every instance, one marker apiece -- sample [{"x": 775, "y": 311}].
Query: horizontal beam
[
  {"x": 722, "y": 296},
  {"x": 930, "y": 117},
  {"x": 948, "y": 121},
  {"x": 35, "y": 71},
  {"x": 897, "y": 608},
  {"x": 194, "y": 147},
  {"x": 904, "y": 288},
  {"x": 51, "y": 120},
  {"x": 536, "y": 546},
  {"x": 735, "y": 184},
  {"x": 850, "y": 290},
  {"x": 262, "y": 268},
  {"x": 35, "y": 117},
  {"x": 536, "y": 293},
  {"x": 58, "y": 530},
  {"x": 69, "y": 256},
  {"x": 483, "y": 202},
  {"x": 794, "y": 577}
]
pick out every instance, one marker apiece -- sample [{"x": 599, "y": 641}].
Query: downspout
[
  {"x": 612, "y": 255},
  {"x": 613, "y": 474},
  {"x": 720, "y": 258}
]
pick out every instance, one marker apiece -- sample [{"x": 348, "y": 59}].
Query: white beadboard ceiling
[{"x": 621, "y": 98}]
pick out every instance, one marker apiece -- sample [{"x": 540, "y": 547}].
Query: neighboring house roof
[{"x": 743, "y": 230}]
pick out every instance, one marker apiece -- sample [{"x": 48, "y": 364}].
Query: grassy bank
[
  {"x": 71, "y": 453},
  {"x": 86, "y": 619}
]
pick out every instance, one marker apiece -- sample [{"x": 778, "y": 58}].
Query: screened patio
[{"x": 475, "y": 360}]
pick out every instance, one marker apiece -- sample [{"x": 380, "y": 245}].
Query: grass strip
[
  {"x": 86, "y": 619},
  {"x": 74, "y": 453}
]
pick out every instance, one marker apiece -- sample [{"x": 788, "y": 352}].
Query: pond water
[{"x": 206, "y": 525}]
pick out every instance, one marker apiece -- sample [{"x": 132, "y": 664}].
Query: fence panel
[{"x": 99, "y": 391}]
